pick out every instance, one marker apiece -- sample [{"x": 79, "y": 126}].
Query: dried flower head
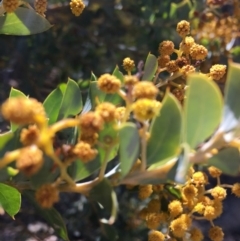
[
  {"x": 90, "y": 138},
  {"x": 91, "y": 122},
  {"x": 187, "y": 69},
  {"x": 153, "y": 220},
  {"x": 177, "y": 227},
  {"x": 217, "y": 71},
  {"x": 166, "y": 48},
  {"x": 181, "y": 61},
  {"x": 186, "y": 44},
  {"x": 196, "y": 234},
  {"x": 128, "y": 64},
  {"x": 175, "y": 208},
  {"x": 29, "y": 135},
  {"x": 214, "y": 172},
  {"x": 183, "y": 28},
  {"x": 30, "y": 160},
  {"x": 109, "y": 84},
  {"x": 154, "y": 206},
  {"x": 47, "y": 195},
  {"x": 130, "y": 80},
  {"x": 209, "y": 212},
  {"x": 216, "y": 234},
  {"x": 21, "y": 110},
  {"x": 107, "y": 111},
  {"x": 77, "y": 7},
  {"x": 189, "y": 191},
  {"x": 144, "y": 89},
  {"x": 40, "y": 6},
  {"x": 172, "y": 66},
  {"x": 144, "y": 191},
  {"x": 84, "y": 151},
  {"x": 198, "y": 52},
  {"x": 145, "y": 109},
  {"x": 156, "y": 236},
  {"x": 10, "y": 5},
  {"x": 163, "y": 60},
  {"x": 236, "y": 189}
]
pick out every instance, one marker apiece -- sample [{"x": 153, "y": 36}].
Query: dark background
[{"x": 98, "y": 40}]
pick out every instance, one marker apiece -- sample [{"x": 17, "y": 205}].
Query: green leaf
[
  {"x": 165, "y": 173},
  {"x": 104, "y": 195},
  {"x": 117, "y": 73},
  {"x": 72, "y": 100},
  {"x": 52, "y": 105},
  {"x": 4, "y": 138},
  {"x": 96, "y": 95},
  {"x": 85, "y": 170},
  {"x": 93, "y": 77},
  {"x": 15, "y": 93},
  {"x": 150, "y": 67},
  {"x": 202, "y": 110},
  {"x": 165, "y": 133},
  {"x": 51, "y": 215},
  {"x": 129, "y": 145},
  {"x": 231, "y": 112},
  {"x": 23, "y": 21},
  {"x": 10, "y": 199},
  {"x": 109, "y": 232},
  {"x": 227, "y": 160},
  {"x": 46, "y": 174}
]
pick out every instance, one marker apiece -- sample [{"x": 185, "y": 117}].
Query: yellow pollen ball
[
  {"x": 175, "y": 208},
  {"x": 236, "y": 189},
  {"x": 156, "y": 236},
  {"x": 145, "y": 109},
  {"x": 216, "y": 234},
  {"x": 219, "y": 193}
]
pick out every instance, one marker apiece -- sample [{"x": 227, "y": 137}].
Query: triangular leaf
[
  {"x": 150, "y": 67},
  {"x": 72, "y": 100},
  {"x": 52, "y": 105},
  {"x": 10, "y": 199},
  {"x": 23, "y": 21}
]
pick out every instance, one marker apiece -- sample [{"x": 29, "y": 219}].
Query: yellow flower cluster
[
  {"x": 40, "y": 6},
  {"x": 181, "y": 212},
  {"x": 10, "y": 5},
  {"x": 128, "y": 64},
  {"x": 77, "y": 7}
]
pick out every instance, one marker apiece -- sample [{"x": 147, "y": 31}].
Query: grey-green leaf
[
  {"x": 23, "y": 21},
  {"x": 129, "y": 145},
  {"x": 231, "y": 113},
  {"x": 227, "y": 160},
  {"x": 165, "y": 133},
  {"x": 202, "y": 110},
  {"x": 150, "y": 67}
]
